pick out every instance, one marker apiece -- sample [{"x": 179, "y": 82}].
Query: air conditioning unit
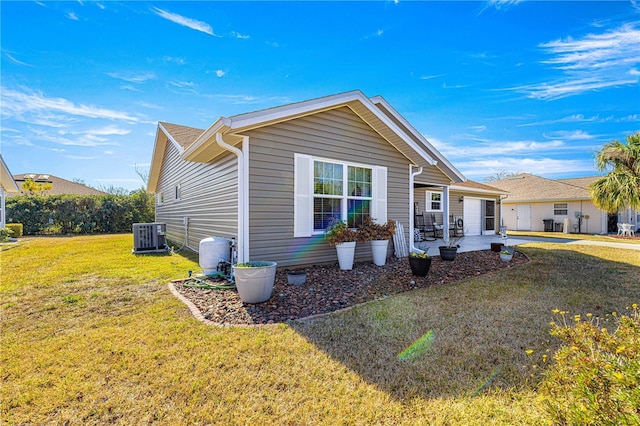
[{"x": 149, "y": 237}]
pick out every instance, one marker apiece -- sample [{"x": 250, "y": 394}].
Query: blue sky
[{"x": 497, "y": 86}]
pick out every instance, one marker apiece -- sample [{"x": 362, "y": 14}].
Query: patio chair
[
  {"x": 620, "y": 229},
  {"x": 438, "y": 228},
  {"x": 458, "y": 226},
  {"x": 424, "y": 226}
]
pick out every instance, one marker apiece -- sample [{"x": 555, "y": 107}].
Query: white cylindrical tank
[
  {"x": 212, "y": 250},
  {"x": 566, "y": 226}
]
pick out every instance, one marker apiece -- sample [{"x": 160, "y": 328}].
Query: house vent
[{"x": 149, "y": 237}]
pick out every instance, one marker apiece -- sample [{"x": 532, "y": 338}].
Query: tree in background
[
  {"x": 620, "y": 188},
  {"x": 31, "y": 187},
  {"x": 499, "y": 176}
]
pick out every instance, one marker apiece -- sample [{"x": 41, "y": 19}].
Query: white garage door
[{"x": 472, "y": 216}]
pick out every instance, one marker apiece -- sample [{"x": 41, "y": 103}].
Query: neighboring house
[
  {"x": 7, "y": 186},
  {"x": 532, "y": 200},
  {"x": 58, "y": 185},
  {"x": 274, "y": 178}
]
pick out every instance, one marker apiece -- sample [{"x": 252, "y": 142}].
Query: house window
[
  {"x": 560, "y": 209},
  {"x": 340, "y": 191},
  {"x": 177, "y": 192},
  {"x": 434, "y": 201},
  {"x": 159, "y": 198}
]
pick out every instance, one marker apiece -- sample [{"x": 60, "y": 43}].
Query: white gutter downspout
[
  {"x": 412, "y": 175},
  {"x": 243, "y": 194}
]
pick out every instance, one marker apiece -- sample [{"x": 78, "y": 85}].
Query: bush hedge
[
  {"x": 16, "y": 229},
  {"x": 80, "y": 214}
]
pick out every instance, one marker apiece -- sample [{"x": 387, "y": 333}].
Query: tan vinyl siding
[
  {"x": 338, "y": 135},
  {"x": 208, "y": 198},
  {"x": 456, "y": 208}
]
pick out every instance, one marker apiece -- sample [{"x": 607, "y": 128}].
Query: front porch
[{"x": 473, "y": 243}]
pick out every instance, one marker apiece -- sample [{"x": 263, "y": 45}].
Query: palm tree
[{"x": 620, "y": 188}]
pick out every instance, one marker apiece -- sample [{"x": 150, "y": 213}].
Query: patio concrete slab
[{"x": 483, "y": 242}]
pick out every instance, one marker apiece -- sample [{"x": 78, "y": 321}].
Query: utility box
[{"x": 149, "y": 237}]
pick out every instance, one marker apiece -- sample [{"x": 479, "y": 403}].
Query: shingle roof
[
  {"x": 58, "y": 184},
  {"x": 528, "y": 187},
  {"x": 183, "y": 135},
  {"x": 477, "y": 185},
  {"x": 582, "y": 182}
]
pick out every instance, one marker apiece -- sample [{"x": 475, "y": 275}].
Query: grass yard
[{"x": 91, "y": 335}]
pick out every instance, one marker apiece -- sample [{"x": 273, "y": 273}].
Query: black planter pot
[
  {"x": 420, "y": 266},
  {"x": 448, "y": 253}
]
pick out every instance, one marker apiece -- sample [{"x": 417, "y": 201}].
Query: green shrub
[
  {"x": 5, "y": 233},
  {"x": 596, "y": 377},
  {"x": 16, "y": 229},
  {"x": 80, "y": 214}
]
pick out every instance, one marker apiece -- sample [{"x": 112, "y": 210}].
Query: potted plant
[
  {"x": 338, "y": 234},
  {"x": 506, "y": 254},
  {"x": 254, "y": 280},
  {"x": 379, "y": 235},
  {"x": 420, "y": 263},
  {"x": 449, "y": 250}
]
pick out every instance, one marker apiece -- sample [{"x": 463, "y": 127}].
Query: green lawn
[{"x": 91, "y": 335}]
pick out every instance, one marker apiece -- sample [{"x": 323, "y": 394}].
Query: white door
[
  {"x": 472, "y": 216},
  {"x": 523, "y": 218}
]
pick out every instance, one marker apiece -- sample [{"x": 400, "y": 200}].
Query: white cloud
[
  {"x": 183, "y": 84},
  {"x": 575, "y": 135},
  {"x": 16, "y": 104},
  {"x": 132, "y": 77},
  {"x": 81, "y": 157},
  {"x": 236, "y": 34},
  {"x": 480, "y": 169},
  {"x": 502, "y": 3},
  {"x": 194, "y": 24},
  {"x": 72, "y": 16},
  {"x": 14, "y": 60},
  {"x": 590, "y": 63},
  {"x": 429, "y": 77},
  {"x": 179, "y": 61},
  {"x": 478, "y": 128},
  {"x": 220, "y": 73}
]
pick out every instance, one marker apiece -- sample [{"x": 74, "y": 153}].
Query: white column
[{"x": 445, "y": 215}]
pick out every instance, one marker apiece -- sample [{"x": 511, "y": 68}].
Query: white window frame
[
  {"x": 556, "y": 209},
  {"x": 429, "y": 200},
  {"x": 304, "y": 192},
  {"x": 159, "y": 198},
  {"x": 177, "y": 192}
]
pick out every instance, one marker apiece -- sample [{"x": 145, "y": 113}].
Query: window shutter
[
  {"x": 303, "y": 196},
  {"x": 379, "y": 208}
]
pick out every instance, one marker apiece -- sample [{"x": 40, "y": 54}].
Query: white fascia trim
[
  {"x": 476, "y": 190},
  {"x": 301, "y": 108},
  {"x": 8, "y": 183},
  {"x": 417, "y": 134},
  {"x": 173, "y": 141},
  {"x": 204, "y": 137},
  {"x": 253, "y": 119}
]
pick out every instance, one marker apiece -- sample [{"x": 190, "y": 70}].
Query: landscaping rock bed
[{"x": 329, "y": 289}]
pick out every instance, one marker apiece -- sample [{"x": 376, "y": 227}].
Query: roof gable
[
  {"x": 528, "y": 187},
  {"x": 201, "y": 146},
  {"x": 389, "y": 124},
  {"x": 6, "y": 179},
  {"x": 59, "y": 185}
]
